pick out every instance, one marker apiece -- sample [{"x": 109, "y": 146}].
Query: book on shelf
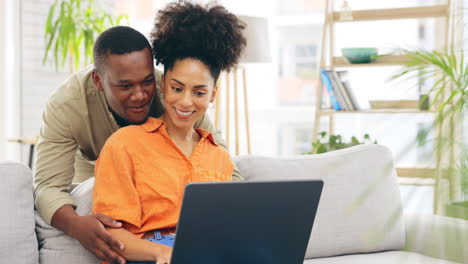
[
  {"x": 328, "y": 84},
  {"x": 340, "y": 92},
  {"x": 343, "y": 77}
]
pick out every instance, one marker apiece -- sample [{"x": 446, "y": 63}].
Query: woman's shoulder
[
  {"x": 123, "y": 136},
  {"x": 215, "y": 151}
]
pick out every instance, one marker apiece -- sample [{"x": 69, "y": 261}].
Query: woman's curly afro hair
[{"x": 210, "y": 34}]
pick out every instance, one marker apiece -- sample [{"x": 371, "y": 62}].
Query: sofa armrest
[{"x": 437, "y": 236}]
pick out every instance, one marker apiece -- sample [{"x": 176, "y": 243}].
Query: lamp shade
[{"x": 258, "y": 43}]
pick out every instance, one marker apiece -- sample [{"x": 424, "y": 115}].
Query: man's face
[{"x": 128, "y": 84}]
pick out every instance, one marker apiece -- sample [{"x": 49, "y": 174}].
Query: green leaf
[
  {"x": 51, "y": 38},
  {"x": 321, "y": 149},
  {"x": 50, "y": 16},
  {"x": 121, "y": 20},
  {"x": 355, "y": 141},
  {"x": 65, "y": 38}
]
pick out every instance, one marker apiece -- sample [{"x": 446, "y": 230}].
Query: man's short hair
[{"x": 117, "y": 40}]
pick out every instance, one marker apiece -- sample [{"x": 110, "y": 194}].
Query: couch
[{"x": 359, "y": 219}]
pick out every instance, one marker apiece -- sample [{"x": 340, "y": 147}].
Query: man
[{"x": 120, "y": 90}]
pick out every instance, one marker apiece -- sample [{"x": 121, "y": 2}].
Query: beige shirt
[{"x": 76, "y": 124}]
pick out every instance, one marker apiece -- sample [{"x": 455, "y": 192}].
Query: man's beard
[{"x": 123, "y": 122}]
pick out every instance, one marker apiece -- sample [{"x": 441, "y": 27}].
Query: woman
[{"x": 142, "y": 170}]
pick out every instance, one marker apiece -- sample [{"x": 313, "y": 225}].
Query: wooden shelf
[
  {"x": 416, "y": 181},
  {"x": 375, "y": 111},
  {"x": 419, "y": 176},
  {"x": 395, "y": 13},
  {"x": 388, "y": 60},
  {"x": 430, "y": 173}
]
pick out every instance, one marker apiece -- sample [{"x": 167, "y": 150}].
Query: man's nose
[{"x": 139, "y": 94}]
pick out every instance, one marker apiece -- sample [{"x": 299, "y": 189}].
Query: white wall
[{"x": 2, "y": 81}]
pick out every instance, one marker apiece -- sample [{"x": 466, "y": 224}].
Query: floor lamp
[{"x": 256, "y": 51}]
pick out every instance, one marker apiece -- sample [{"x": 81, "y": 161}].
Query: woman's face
[{"x": 188, "y": 89}]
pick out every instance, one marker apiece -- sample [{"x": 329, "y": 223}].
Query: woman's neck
[
  {"x": 184, "y": 134},
  {"x": 185, "y": 139}
]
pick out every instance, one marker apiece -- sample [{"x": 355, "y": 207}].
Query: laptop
[{"x": 246, "y": 222}]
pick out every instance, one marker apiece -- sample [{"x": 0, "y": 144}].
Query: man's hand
[{"x": 91, "y": 232}]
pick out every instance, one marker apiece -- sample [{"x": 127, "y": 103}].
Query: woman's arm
[
  {"x": 139, "y": 249},
  {"x": 114, "y": 187}
]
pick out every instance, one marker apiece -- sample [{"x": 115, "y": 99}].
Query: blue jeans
[{"x": 167, "y": 240}]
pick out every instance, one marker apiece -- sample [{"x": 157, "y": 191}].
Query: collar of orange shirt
[{"x": 153, "y": 124}]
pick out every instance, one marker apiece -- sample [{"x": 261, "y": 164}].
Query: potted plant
[
  {"x": 449, "y": 74},
  {"x": 71, "y": 28},
  {"x": 335, "y": 142}
]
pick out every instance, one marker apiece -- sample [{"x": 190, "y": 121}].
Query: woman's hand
[{"x": 162, "y": 254}]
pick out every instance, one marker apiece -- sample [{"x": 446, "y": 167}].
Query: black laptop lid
[{"x": 246, "y": 222}]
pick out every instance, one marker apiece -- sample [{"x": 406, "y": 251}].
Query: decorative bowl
[{"x": 359, "y": 55}]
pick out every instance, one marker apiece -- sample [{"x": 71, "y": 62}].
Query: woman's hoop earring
[{"x": 212, "y": 105}]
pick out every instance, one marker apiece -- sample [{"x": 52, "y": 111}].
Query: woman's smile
[{"x": 183, "y": 114}]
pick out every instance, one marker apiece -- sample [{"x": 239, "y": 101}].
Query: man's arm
[
  {"x": 55, "y": 161},
  {"x": 54, "y": 164},
  {"x": 205, "y": 123}
]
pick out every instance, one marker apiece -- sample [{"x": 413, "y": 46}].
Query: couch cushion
[
  {"x": 360, "y": 209},
  {"x": 56, "y": 246},
  {"x": 18, "y": 243},
  {"x": 390, "y": 257}
]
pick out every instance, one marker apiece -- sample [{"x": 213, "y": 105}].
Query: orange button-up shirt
[{"x": 141, "y": 175}]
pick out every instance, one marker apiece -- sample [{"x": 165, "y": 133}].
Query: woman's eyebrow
[
  {"x": 177, "y": 81},
  {"x": 196, "y": 86}
]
